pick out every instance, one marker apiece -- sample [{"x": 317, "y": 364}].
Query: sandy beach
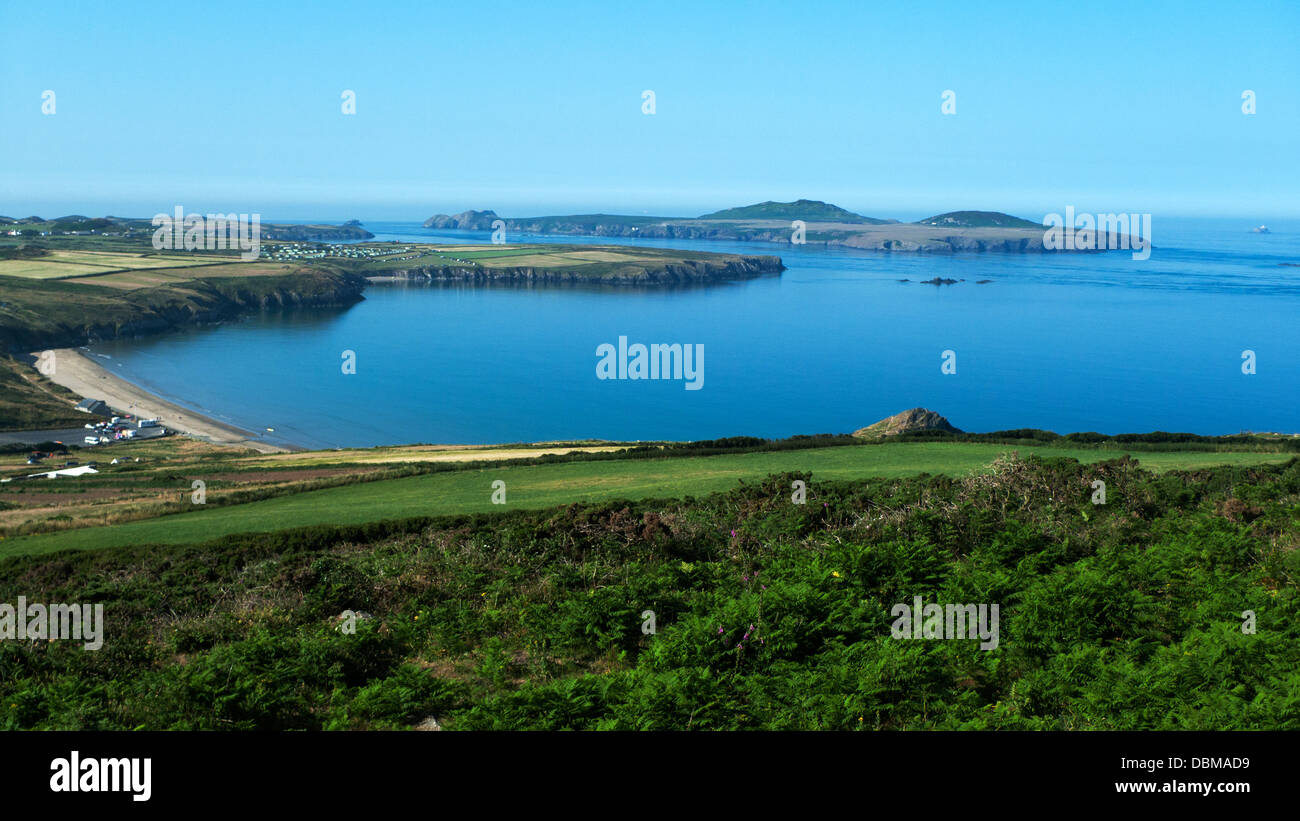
[{"x": 88, "y": 379}]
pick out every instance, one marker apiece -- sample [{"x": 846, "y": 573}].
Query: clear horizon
[
  {"x": 335, "y": 217},
  {"x": 533, "y": 111}
]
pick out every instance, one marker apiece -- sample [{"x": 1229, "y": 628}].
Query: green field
[
  {"x": 588, "y": 262},
  {"x": 495, "y": 252},
  {"x": 547, "y": 485},
  {"x": 66, "y": 264}
]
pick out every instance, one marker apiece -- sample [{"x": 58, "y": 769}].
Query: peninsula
[
  {"x": 65, "y": 290},
  {"x": 597, "y": 264}
]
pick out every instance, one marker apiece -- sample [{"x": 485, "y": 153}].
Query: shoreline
[{"x": 90, "y": 380}]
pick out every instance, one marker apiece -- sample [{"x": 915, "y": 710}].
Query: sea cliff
[
  {"x": 53, "y": 317},
  {"x": 690, "y": 271}
]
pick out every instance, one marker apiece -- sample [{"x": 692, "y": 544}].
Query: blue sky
[{"x": 536, "y": 108}]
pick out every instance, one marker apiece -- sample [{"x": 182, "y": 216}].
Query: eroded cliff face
[
  {"x": 202, "y": 301},
  {"x": 464, "y": 221},
  {"x": 684, "y": 272},
  {"x": 1019, "y": 243}
]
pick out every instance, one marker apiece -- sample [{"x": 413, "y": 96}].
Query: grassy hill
[
  {"x": 807, "y": 210},
  {"x": 29, "y": 401},
  {"x": 767, "y": 614},
  {"x": 977, "y": 219}
]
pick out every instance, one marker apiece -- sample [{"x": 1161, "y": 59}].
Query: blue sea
[{"x": 1065, "y": 342}]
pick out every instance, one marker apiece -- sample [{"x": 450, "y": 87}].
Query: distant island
[
  {"x": 978, "y": 219},
  {"x": 824, "y": 224},
  {"x": 806, "y": 210}
]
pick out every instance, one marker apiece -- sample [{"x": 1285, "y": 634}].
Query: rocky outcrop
[
  {"x": 464, "y": 221},
  {"x": 1017, "y": 241},
  {"x": 910, "y": 420}
]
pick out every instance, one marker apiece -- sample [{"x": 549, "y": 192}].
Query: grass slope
[
  {"x": 29, "y": 401},
  {"x": 977, "y": 219},
  {"x": 541, "y": 486},
  {"x": 54, "y": 313},
  {"x": 768, "y": 614},
  {"x": 808, "y": 210}
]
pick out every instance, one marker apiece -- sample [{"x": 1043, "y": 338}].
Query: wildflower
[
  {"x": 733, "y": 534},
  {"x": 835, "y": 573}
]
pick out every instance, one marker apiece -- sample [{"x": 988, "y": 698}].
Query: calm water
[{"x": 1063, "y": 342}]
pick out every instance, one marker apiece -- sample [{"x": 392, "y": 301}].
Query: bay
[{"x": 1065, "y": 342}]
